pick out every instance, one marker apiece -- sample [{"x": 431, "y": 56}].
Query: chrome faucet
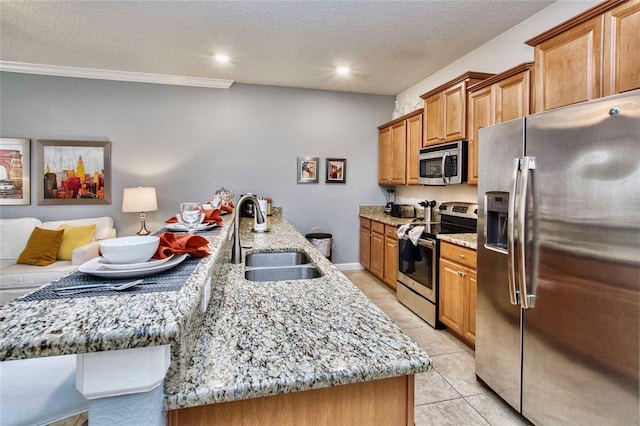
[{"x": 236, "y": 255}]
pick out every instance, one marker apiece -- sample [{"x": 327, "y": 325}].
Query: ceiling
[{"x": 388, "y": 45}]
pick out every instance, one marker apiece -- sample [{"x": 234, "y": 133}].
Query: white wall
[{"x": 499, "y": 54}]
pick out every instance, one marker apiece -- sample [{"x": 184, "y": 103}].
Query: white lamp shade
[{"x": 139, "y": 199}]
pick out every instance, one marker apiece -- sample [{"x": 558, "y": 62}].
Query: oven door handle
[{"x": 426, "y": 243}]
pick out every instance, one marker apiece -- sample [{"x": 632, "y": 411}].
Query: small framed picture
[
  {"x": 15, "y": 161},
  {"x": 74, "y": 172},
  {"x": 336, "y": 170},
  {"x": 308, "y": 169}
]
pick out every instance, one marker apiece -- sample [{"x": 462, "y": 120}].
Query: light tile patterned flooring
[{"x": 449, "y": 394}]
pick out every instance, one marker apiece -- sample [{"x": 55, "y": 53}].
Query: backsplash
[{"x": 413, "y": 194}]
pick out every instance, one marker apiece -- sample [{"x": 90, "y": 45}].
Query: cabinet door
[
  {"x": 414, "y": 143},
  {"x": 451, "y": 301},
  {"x": 365, "y": 248},
  {"x": 454, "y": 101},
  {"x": 480, "y": 115},
  {"x": 384, "y": 156},
  {"x": 432, "y": 133},
  {"x": 390, "y": 261},
  {"x": 568, "y": 67},
  {"x": 377, "y": 255},
  {"x": 512, "y": 98},
  {"x": 621, "y": 48},
  {"x": 399, "y": 153},
  {"x": 471, "y": 287}
]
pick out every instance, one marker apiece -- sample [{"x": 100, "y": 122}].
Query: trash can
[{"x": 322, "y": 242}]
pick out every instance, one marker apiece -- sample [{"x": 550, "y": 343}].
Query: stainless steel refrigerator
[{"x": 559, "y": 263}]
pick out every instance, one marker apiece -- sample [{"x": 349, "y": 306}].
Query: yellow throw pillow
[
  {"x": 42, "y": 247},
  {"x": 74, "y": 237}
]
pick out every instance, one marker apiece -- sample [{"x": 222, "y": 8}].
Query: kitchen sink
[
  {"x": 284, "y": 258},
  {"x": 281, "y": 273}
]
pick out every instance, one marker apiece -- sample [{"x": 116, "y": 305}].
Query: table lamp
[{"x": 140, "y": 200}]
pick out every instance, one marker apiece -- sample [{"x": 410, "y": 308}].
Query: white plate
[
  {"x": 181, "y": 227},
  {"x": 129, "y": 266},
  {"x": 95, "y": 267}
]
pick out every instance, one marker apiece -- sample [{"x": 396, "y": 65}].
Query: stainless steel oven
[
  {"x": 419, "y": 264},
  {"x": 418, "y": 277}
]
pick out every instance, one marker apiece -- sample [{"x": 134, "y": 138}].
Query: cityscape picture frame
[
  {"x": 336, "y": 170},
  {"x": 63, "y": 177},
  {"x": 308, "y": 169}
]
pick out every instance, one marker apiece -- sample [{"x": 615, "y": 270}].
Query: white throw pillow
[
  {"x": 14, "y": 234},
  {"x": 104, "y": 225}
]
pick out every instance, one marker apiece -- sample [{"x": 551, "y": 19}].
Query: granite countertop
[
  {"x": 255, "y": 338},
  {"x": 267, "y": 338},
  {"x": 30, "y": 329},
  {"x": 465, "y": 240},
  {"x": 377, "y": 213}
]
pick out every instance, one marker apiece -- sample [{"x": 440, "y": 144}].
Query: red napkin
[
  {"x": 212, "y": 216},
  {"x": 195, "y": 245},
  {"x": 228, "y": 209},
  {"x": 172, "y": 219}
]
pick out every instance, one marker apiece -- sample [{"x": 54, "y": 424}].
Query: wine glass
[{"x": 190, "y": 215}]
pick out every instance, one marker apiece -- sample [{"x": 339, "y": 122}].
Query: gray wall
[{"x": 188, "y": 142}]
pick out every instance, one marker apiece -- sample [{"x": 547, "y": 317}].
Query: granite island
[{"x": 298, "y": 341}]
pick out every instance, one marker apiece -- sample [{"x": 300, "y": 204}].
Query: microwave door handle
[
  {"x": 445, "y": 178},
  {"x": 511, "y": 235},
  {"x": 527, "y": 301}
]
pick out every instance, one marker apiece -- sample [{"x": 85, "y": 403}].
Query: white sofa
[{"x": 17, "y": 279}]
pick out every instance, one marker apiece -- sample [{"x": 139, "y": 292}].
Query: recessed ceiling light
[
  {"x": 342, "y": 70},
  {"x": 222, "y": 58}
]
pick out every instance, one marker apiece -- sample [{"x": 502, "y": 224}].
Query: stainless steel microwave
[{"x": 443, "y": 164}]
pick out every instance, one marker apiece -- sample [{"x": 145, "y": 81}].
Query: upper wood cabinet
[
  {"x": 398, "y": 144},
  {"x": 594, "y": 54},
  {"x": 503, "y": 97},
  {"x": 445, "y": 109}
]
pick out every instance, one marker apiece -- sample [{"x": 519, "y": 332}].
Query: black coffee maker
[{"x": 391, "y": 199}]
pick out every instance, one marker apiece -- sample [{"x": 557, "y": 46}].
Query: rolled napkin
[{"x": 195, "y": 245}]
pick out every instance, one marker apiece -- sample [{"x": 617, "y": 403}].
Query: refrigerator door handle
[
  {"x": 511, "y": 235},
  {"x": 528, "y": 164}
]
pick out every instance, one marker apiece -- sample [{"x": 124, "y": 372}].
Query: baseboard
[{"x": 349, "y": 266}]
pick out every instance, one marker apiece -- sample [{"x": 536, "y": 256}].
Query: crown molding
[{"x": 26, "y": 68}]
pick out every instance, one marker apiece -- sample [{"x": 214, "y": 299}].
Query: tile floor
[{"x": 449, "y": 394}]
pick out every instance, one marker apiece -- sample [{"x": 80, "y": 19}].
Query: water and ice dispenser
[{"x": 496, "y": 224}]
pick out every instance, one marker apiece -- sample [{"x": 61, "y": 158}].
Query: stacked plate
[
  {"x": 100, "y": 267},
  {"x": 180, "y": 227}
]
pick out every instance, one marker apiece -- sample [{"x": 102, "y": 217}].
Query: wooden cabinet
[
  {"x": 414, "y": 143},
  {"x": 390, "y": 256},
  {"x": 379, "y": 250},
  {"x": 365, "y": 243},
  {"x": 589, "y": 56},
  {"x": 384, "y": 156},
  {"x": 621, "y": 50},
  {"x": 503, "y": 97},
  {"x": 458, "y": 289},
  {"x": 398, "y": 145},
  {"x": 445, "y": 110}
]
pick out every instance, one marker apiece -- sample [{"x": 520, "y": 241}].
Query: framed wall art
[
  {"x": 308, "y": 169},
  {"x": 74, "y": 172},
  {"x": 336, "y": 170},
  {"x": 15, "y": 161}
]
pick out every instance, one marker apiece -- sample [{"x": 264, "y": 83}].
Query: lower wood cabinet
[
  {"x": 379, "y": 250},
  {"x": 458, "y": 289}
]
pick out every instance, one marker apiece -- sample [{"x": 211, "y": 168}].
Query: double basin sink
[{"x": 279, "y": 266}]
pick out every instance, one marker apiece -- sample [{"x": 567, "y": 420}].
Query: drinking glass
[{"x": 190, "y": 214}]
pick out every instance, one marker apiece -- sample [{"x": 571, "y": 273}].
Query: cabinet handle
[
  {"x": 461, "y": 256},
  {"x": 462, "y": 274}
]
